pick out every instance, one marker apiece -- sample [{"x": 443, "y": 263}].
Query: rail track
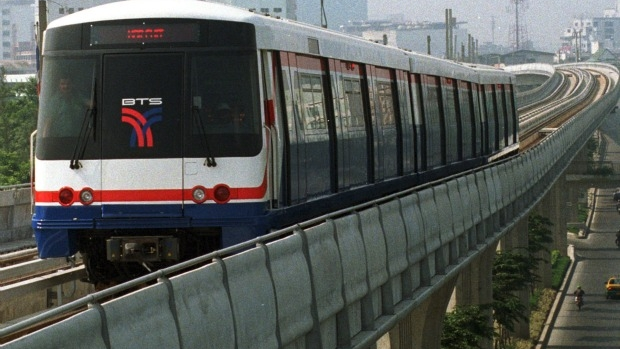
[
  {"x": 36, "y": 274},
  {"x": 579, "y": 88},
  {"x": 8, "y": 259}
]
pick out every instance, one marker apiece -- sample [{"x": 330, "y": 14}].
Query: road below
[{"x": 597, "y": 324}]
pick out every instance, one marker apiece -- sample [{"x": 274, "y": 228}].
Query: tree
[
  {"x": 512, "y": 272},
  {"x": 465, "y": 327},
  {"x": 18, "y": 113},
  {"x": 539, "y": 235}
]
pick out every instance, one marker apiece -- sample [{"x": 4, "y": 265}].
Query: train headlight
[
  {"x": 221, "y": 193},
  {"x": 199, "y": 194},
  {"x": 66, "y": 196},
  {"x": 86, "y": 196}
]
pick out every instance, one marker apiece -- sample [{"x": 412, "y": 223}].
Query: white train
[{"x": 168, "y": 129}]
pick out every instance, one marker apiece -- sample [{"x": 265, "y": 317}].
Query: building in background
[
  {"x": 597, "y": 38},
  {"x": 579, "y": 41},
  {"x": 607, "y": 30},
  {"x": 17, "y": 30},
  {"x": 419, "y": 37}
]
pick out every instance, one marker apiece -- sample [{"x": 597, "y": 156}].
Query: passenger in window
[
  {"x": 232, "y": 119},
  {"x": 68, "y": 110}
]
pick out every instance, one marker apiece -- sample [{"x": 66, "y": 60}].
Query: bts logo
[
  {"x": 142, "y": 101},
  {"x": 142, "y": 135}
]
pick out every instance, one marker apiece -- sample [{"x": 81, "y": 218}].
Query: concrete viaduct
[{"x": 381, "y": 275}]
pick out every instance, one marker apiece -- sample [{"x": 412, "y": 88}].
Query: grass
[{"x": 582, "y": 213}]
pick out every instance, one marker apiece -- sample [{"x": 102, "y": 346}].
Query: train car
[{"x": 169, "y": 129}]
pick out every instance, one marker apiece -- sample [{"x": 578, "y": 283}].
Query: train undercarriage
[{"x": 114, "y": 257}]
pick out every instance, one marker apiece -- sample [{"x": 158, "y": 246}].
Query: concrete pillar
[
  {"x": 485, "y": 286},
  {"x": 474, "y": 286},
  {"x": 573, "y": 193},
  {"x": 579, "y": 165},
  {"x": 406, "y": 335},
  {"x": 435, "y": 313},
  {"x": 552, "y": 206},
  {"x": 422, "y": 328},
  {"x": 560, "y": 240},
  {"x": 467, "y": 290}
]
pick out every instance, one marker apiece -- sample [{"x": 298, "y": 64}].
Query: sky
[{"x": 545, "y": 20}]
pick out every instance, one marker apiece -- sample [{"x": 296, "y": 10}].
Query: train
[{"x": 170, "y": 129}]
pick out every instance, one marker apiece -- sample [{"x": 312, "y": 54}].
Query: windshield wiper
[
  {"x": 210, "y": 160},
  {"x": 89, "y": 124}
]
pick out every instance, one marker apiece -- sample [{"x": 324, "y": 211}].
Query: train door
[
  {"x": 350, "y": 124},
  {"x": 141, "y": 109}
]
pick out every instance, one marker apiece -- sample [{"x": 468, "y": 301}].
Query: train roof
[{"x": 287, "y": 35}]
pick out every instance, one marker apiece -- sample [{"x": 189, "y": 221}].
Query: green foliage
[
  {"x": 539, "y": 234},
  {"x": 540, "y": 310},
  {"x": 18, "y": 113},
  {"x": 465, "y": 327},
  {"x": 512, "y": 272},
  {"x": 582, "y": 213},
  {"x": 555, "y": 255},
  {"x": 600, "y": 171},
  {"x": 558, "y": 269}
]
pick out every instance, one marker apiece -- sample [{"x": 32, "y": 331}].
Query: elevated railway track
[{"x": 578, "y": 89}]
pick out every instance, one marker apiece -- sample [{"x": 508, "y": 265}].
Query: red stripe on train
[{"x": 154, "y": 195}]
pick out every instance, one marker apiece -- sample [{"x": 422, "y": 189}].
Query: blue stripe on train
[{"x": 56, "y": 228}]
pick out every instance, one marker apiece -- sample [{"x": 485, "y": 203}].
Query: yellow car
[{"x": 613, "y": 287}]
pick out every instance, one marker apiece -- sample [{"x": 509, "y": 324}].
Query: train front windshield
[{"x": 169, "y": 103}]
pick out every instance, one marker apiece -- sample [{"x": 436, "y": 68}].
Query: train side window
[
  {"x": 312, "y": 100},
  {"x": 484, "y": 117},
  {"x": 468, "y": 125},
  {"x": 406, "y": 120},
  {"x": 511, "y": 114},
  {"x": 477, "y": 118},
  {"x": 290, "y": 185},
  {"x": 502, "y": 132},
  {"x": 382, "y": 111},
  {"x": 451, "y": 120},
  {"x": 313, "y": 147},
  {"x": 418, "y": 122},
  {"x": 434, "y": 123},
  {"x": 351, "y": 136},
  {"x": 353, "y": 101},
  {"x": 491, "y": 113}
]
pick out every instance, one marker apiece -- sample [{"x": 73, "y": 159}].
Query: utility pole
[
  {"x": 428, "y": 45},
  {"x": 517, "y": 22},
  {"x": 520, "y": 30},
  {"x": 447, "y": 21},
  {"x": 323, "y": 16},
  {"x": 493, "y": 30},
  {"x": 41, "y": 26}
]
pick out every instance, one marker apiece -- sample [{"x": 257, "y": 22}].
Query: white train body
[{"x": 189, "y": 126}]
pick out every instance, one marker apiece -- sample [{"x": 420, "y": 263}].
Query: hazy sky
[{"x": 545, "y": 20}]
